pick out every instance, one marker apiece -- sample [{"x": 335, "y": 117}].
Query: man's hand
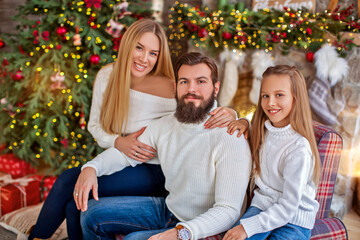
[
  {"x": 134, "y": 149},
  {"x": 236, "y": 233},
  {"x": 167, "y": 235},
  {"x": 87, "y": 181}
]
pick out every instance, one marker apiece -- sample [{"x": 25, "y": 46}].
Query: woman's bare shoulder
[
  {"x": 167, "y": 85},
  {"x": 161, "y": 86}
]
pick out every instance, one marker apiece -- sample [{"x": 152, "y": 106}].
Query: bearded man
[{"x": 206, "y": 170}]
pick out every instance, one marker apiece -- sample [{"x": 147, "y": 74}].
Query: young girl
[{"x": 286, "y": 161}]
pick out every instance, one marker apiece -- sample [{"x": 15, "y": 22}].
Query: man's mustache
[{"x": 191, "y": 95}]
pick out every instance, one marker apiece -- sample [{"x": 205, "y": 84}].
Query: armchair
[{"x": 329, "y": 144}]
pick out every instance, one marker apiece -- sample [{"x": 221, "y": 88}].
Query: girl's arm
[
  {"x": 242, "y": 125},
  {"x": 220, "y": 117}
]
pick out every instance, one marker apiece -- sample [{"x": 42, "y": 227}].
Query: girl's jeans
[{"x": 286, "y": 232}]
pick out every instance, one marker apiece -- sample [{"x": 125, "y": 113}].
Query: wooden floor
[{"x": 352, "y": 223}]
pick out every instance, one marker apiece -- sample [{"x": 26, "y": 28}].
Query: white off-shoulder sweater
[
  {"x": 286, "y": 192},
  {"x": 143, "y": 108},
  {"x": 206, "y": 171}
]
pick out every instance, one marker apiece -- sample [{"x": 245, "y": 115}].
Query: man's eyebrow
[{"x": 141, "y": 45}]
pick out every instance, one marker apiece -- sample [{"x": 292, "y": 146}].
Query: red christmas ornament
[
  {"x": 17, "y": 76},
  {"x": 2, "y": 44},
  {"x": 96, "y": 3},
  {"x": 310, "y": 56},
  {"x": 61, "y": 31},
  {"x": 226, "y": 35},
  {"x": 45, "y": 35},
  {"x": 203, "y": 33},
  {"x": 58, "y": 47},
  {"x": 94, "y": 59},
  {"x": 308, "y": 31}
]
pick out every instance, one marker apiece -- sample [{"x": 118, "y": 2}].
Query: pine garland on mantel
[{"x": 237, "y": 28}]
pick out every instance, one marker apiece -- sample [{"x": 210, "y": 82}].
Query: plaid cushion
[{"x": 329, "y": 228}]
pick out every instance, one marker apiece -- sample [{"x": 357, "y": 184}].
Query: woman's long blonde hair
[
  {"x": 300, "y": 117},
  {"x": 115, "y": 105}
]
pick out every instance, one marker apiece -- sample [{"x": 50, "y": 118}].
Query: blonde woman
[
  {"x": 286, "y": 161},
  {"x": 127, "y": 95}
]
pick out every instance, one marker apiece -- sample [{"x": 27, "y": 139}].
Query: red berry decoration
[
  {"x": 61, "y": 31},
  {"x": 94, "y": 59},
  {"x": 203, "y": 33},
  {"x": 226, "y": 35},
  {"x": 17, "y": 76},
  {"x": 308, "y": 31},
  {"x": 5, "y": 62},
  {"x": 2, "y": 44},
  {"x": 310, "y": 56},
  {"x": 45, "y": 35}
]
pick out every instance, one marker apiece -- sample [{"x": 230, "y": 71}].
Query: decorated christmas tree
[{"x": 46, "y": 80}]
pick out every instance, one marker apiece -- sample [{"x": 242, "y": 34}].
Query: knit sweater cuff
[{"x": 251, "y": 225}]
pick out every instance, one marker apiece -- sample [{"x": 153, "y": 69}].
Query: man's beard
[{"x": 189, "y": 113}]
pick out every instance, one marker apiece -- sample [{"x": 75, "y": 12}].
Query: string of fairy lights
[{"x": 265, "y": 29}]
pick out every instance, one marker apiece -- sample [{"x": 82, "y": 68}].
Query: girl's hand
[
  {"x": 242, "y": 125},
  {"x": 87, "y": 181},
  {"x": 236, "y": 233},
  {"x": 220, "y": 117},
  {"x": 167, "y": 235},
  {"x": 134, "y": 149}
]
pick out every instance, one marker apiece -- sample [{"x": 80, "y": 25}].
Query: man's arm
[{"x": 112, "y": 160}]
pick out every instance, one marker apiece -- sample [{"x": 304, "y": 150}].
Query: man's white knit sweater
[
  {"x": 206, "y": 171},
  {"x": 286, "y": 192}
]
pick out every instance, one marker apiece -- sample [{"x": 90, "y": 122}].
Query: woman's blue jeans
[
  {"x": 136, "y": 217},
  {"x": 287, "y": 232},
  {"x": 141, "y": 180}
]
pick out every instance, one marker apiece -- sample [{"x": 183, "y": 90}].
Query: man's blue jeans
[
  {"x": 287, "y": 232},
  {"x": 137, "y": 217}
]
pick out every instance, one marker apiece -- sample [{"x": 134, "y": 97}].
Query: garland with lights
[
  {"x": 46, "y": 81},
  {"x": 237, "y": 28}
]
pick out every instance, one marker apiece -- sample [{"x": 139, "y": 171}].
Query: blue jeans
[
  {"x": 137, "y": 217},
  {"x": 142, "y": 180},
  {"x": 286, "y": 232}
]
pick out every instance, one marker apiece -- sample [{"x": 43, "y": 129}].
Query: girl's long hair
[
  {"x": 115, "y": 105},
  {"x": 300, "y": 117}
]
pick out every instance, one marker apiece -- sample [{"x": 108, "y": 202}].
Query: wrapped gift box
[
  {"x": 46, "y": 183},
  {"x": 18, "y": 193},
  {"x": 14, "y": 166}
]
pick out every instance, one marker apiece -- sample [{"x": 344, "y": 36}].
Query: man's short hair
[{"x": 193, "y": 58}]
